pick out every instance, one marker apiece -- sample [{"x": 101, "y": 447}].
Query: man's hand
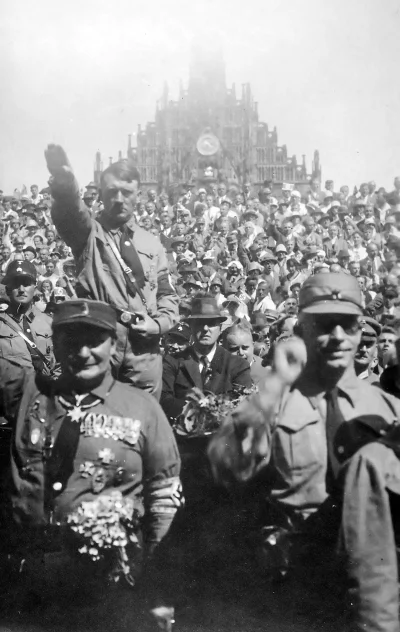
[
  {"x": 146, "y": 326},
  {"x": 58, "y": 164},
  {"x": 289, "y": 359}
]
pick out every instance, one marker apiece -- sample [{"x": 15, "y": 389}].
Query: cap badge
[
  {"x": 180, "y": 328},
  {"x": 336, "y": 296},
  {"x": 85, "y": 309},
  {"x": 19, "y": 270}
]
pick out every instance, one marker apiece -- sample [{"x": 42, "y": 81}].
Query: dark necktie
[
  {"x": 334, "y": 419},
  {"x": 205, "y": 369},
  {"x": 131, "y": 258}
]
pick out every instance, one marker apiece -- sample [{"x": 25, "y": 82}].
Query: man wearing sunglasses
[{"x": 331, "y": 446}]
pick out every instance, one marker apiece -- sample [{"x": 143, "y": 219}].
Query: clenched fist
[{"x": 290, "y": 357}]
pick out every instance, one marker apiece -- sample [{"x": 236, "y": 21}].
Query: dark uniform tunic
[
  {"x": 34, "y": 325},
  {"x": 113, "y": 438}
]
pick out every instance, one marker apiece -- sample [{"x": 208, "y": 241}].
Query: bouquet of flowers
[
  {"x": 105, "y": 526},
  {"x": 204, "y": 413}
]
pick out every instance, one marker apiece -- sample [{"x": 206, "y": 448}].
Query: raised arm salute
[{"x": 119, "y": 263}]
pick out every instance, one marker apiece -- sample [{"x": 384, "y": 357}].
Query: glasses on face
[
  {"x": 367, "y": 343},
  {"x": 327, "y": 323}
]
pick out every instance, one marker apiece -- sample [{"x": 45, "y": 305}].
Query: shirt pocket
[{"x": 300, "y": 449}]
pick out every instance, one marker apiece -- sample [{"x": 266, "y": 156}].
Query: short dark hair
[{"x": 123, "y": 169}]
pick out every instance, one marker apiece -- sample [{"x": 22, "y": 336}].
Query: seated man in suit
[{"x": 205, "y": 364}]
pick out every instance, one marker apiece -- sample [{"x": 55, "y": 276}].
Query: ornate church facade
[{"x": 212, "y": 133}]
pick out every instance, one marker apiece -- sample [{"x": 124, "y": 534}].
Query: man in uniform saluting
[{"x": 119, "y": 263}]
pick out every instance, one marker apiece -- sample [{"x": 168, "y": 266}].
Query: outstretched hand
[
  {"x": 58, "y": 164},
  {"x": 289, "y": 359}
]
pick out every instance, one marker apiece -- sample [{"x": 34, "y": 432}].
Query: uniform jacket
[
  {"x": 124, "y": 443},
  {"x": 298, "y": 443},
  {"x": 37, "y": 326},
  {"x": 100, "y": 276},
  {"x": 181, "y": 374}
]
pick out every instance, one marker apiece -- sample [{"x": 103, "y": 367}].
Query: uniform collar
[
  {"x": 64, "y": 386},
  {"x": 130, "y": 224},
  {"x": 348, "y": 386}
]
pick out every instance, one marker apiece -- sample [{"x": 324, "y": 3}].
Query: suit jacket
[{"x": 181, "y": 374}]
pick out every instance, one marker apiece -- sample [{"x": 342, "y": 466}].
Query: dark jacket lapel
[{"x": 190, "y": 367}]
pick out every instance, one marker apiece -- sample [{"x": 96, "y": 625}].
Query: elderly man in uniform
[
  {"x": 366, "y": 358},
  {"x": 86, "y": 435},
  {"x": 119, "y": 263},
  {"x": 331, "y": 443}
]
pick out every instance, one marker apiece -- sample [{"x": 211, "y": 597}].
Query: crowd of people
[{"x": 200, "y": 291}]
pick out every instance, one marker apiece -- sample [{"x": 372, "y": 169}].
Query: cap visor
[{"x": 332, "y": 307}]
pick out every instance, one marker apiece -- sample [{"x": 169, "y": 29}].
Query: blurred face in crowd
[
  {"x": 50, "y": 268},
  {"x": 369, "y": 211},
  {"x": 84, "y": 353},
  {"x": 291, "y": 266},
  {"x": 372, "y": 250},
  {"x": 262, "y": 290},
  {"x": 46, "y": 286},
  {"x": 295, "y": 290},
  {"x": 215, "y": 289},
  {"x": 19, "y": 246},
  {"x": 286, "y": 228},
  {"x": 268, "y": 266},
  {"x": 209, "y": 201},
  {"x": 146, "y": 223},
  {"x": 314, "y": 184},
  {"x": 166, "y": 221},
  {"x": 349, "y": 231},
  {"x": 29, "y": 255},
  {"x": 205, "y": 332},
  {"x": 191, "y": 289},
  {"x": 34, "y": 190},
  {"x": 240, "y": 343},
  {"x": 44, "y": 255},
  {"x": 202, "y": 196},
  {"x": 152, "y": 195},
  {"x": 200, "y": 226},
  {"x": 37, "y": 242},
  {"x": 329, "y": 185},
  {"x": 21, "y": 290},
  {"x": 280, "y": 255},
  {"x": 6, "y": 252},
  {"x": 357, "y": 239},
  {"x": 289, "y": 243},
  {"x": 50, "y": 236},
  {"x": 364, "y": 189},
  {"x": 224, "y": 227},
  {"x": 180, "y": 229},
  {"x": 150, "y": 208},
  {"x": 199, "y": 252},
  {"x": 233, "y": 270},
  {"x": 225, "y": 207},
  {"x": 175, "y": 344},
  {"x": 309, "y": 225},
  {"x": 15, "y": 225},
  {"x": 361, "y": 283},
  {"x": 333, "y": 231},
  {"x": 239, "y": 199},
  {"x": 366, "y": 352},
  {"x": 141, "y": 209},
  {"x": 221, "y": 190},
  {"x": 163, "y": 199},
  {"x": 291, "y": 306},
  {"x": 354, "y": 268},
  {"x": 251, "y": 285},
  {"x": 386, "y": 347},
  {"x": 344, "y": 262},
  {"x": 119, "y": 199},
  {"x": 331, "y": 340}
]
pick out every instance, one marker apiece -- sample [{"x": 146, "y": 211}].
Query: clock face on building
[{"x": 208, "y": 144}]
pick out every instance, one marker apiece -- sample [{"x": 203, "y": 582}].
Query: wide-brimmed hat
[{"x": 205, "y": 308}]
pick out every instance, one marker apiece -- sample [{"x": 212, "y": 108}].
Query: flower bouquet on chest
[
  {"x": 205, "y": 412},
  {"x": 105, "y": 530}
]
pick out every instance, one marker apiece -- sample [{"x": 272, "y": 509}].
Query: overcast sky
[{"x": 325, "y": 72}]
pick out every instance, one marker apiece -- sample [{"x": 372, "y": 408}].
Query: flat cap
[
  {"x": 254, "y": 265},
  {"x": 95, "y": 313},
  {"x": 330, "y": 294},
  {"x": 17, "y": 269}
]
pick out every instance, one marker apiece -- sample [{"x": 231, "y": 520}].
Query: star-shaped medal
[{"x": 75, "y": 414}]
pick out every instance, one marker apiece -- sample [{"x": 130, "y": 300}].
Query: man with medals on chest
[
  {"x": 85, "y": 438},
  {"x": 119, "y": 263}
]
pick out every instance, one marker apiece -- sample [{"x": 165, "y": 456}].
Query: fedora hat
[{"x": 205, "y": 307}]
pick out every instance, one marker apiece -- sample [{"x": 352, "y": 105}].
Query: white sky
[{"x": 84, "y": 74}]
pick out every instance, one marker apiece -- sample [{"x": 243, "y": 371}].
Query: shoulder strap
[
  {"x": 32, "y": 347},
  {"x": 126, "y": 270}
]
